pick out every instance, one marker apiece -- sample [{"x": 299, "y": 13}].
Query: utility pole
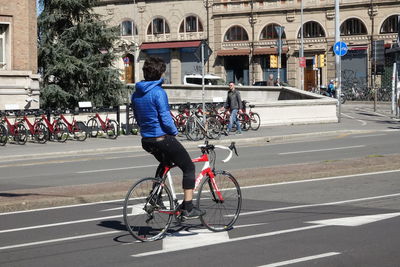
[
  {"x": 302, "y": 45},
  {"x": 208, "y": 29},
  {"x": 373, "y": 53},
  {"x": 252, "y": 22},
  {"x": 337, "y": 57}
]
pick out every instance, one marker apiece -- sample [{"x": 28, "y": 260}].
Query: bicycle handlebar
[{"x": 231, "y": 148}]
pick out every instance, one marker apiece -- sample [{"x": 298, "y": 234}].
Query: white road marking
[
  {"x": 356, "y": 220},
  {"x": 177, "y": 248},
  {"x": 316, "y": 205},
  {"x": 242, "y": 187},
  {"x": 58, "y": 240},
  {"x": 303, "y": 259},
  {"x": 117, "y": 169},
  {"x": 58, "y": 224},
  {"x": 363, "y": 123},
  {"x": 319, "y": 150}
]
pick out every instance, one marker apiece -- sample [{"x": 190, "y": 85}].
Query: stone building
[
  {"x": 243, "y": 37},
  {"x": 19, "y": 81}
]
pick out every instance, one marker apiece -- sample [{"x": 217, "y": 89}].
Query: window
[
  {"x": 236, "y": 33},
  {"x": 269, "y": 32},
  {"x": 353, "y": 27},
  {"x": 128, "y": 28},
  {"x": 3, "y": 30},
  {"x": 390, "y": 25},
  {"x": 312, "y": 29},
  {"x": 191, "y": 24},
  {"x": 158, "y": 26}
]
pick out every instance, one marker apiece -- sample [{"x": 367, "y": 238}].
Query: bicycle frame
[
  {"x": 49, "y": 125},
  {"x": 102, "y": 123},
  {"x": 205, "y": 171},
  {"x": 31, "y": 126},
  {"x": 11, "y": 126}
]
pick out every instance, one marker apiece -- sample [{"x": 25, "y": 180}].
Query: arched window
[
  {"x": 312, "y": 29},
  {"x": 128, "y": 28},
  {"x": 236, "y": 33},
  {"x": 390, "y": 25},
  {"x": 158, "y": 26},
  {"x": 191, "y": 24},
  {"x": 353, "y": 27},
  {"x": 269, "y": 32}
]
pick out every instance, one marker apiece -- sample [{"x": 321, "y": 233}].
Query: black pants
[{"x": 169, "y": 150}]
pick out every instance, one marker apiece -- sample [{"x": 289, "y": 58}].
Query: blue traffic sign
[{"x": 340, "y": 48}]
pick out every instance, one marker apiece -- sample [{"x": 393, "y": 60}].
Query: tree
[{"x": 75, "y": 55}]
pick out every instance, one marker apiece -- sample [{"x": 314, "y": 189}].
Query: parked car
[
  {"x": 264, "y": 83},
  {"x": 209, "y": 79}
]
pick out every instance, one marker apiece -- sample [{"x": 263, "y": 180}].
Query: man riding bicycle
[{"x": 151, "y": 109}]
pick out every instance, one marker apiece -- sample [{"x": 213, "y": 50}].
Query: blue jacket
[{"x": 151, "y": 109}]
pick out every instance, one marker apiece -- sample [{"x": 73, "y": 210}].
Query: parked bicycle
[
  {"x": 76, "y": 128},
  {"x": 249, "y": 120},
  {"x": 16, "y": 130},
  {"x": 57, "y": 130},
  {"x": 109, "y": 127},
  {"x": 150, "y": 204},
  {"x": 180, "y": 119},
  {"x": 37, "y": 129},
  {"x": 196, "y": 129}
]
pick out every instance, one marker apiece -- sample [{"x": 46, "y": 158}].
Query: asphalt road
[{"x": 338, "y": 221}]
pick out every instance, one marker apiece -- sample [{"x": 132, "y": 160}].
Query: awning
[
  {"x": 269, "y": 50},
  {"x": 233, "y": 52},
  {"x": 161, "y": 45},
  {"x": 358, "y": 47}
]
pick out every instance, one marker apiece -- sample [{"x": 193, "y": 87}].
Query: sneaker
[
  {"x": 193, "y": 214},
  {"x": 238, "y": 132}
]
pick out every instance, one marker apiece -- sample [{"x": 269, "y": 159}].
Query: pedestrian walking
[{"x": 234, "y": 103}]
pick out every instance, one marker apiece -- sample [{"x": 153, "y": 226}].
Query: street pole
[
  {"x": 373, "y": 53},
  {"x": 208, "y": 31},
  {"x": 337, "y": 57},
  {"x": 302, "y": 46},
  {"x": 252, "y": 22}
]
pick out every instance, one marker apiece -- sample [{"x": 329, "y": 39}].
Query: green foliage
[{"x": 75, "y": 55}]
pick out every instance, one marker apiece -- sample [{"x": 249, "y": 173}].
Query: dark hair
[
  {"x": 153, "y": 68},
  {"x": 231, "y": 82}
]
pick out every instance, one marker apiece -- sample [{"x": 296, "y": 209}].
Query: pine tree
[{"x": 75, "y": 55}]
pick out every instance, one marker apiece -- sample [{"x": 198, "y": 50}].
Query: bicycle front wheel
[
  {"x": 93, "y": 127},
  {"x": 148, "y": 209},
  {"x": 214, "y": 128},
  {"x": 79, "y": 131},
  {"x": 112, "y": 129},
  {"x": 221, "y": 212},
  {"x": 41, "y": 133},
  {"x": 21, "y": 134},
  {"x": 255, "y": 121},
  {"x": 192, "y": 130}
]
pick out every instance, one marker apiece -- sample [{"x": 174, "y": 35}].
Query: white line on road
[
  {"x": 118, "y": 169},
  {"x": 58, "y": 240},
  {"x": 303, "y": 259},
  {"x": 58, "y": 224},
  {"x": 363, "y": 123},
  {"x": 369, "y": 135},
  {"x": 319, "y": 150},
  {"x": 317, "y": 205}
]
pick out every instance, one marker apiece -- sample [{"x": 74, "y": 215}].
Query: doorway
[{"x": 237, "y": 69}]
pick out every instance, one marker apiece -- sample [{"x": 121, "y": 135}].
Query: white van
[{"x": 209, "y": 79}]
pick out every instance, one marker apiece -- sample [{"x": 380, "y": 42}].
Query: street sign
[
  {"x": 340, "y": 48},
  {"x": 302, "y": 62},
  {"x": 207, "y": 52}
]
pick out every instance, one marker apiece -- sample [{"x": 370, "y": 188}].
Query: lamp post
[
  {"x": 252, "y": 21},
  {"x": 302, "y": 45},
  {"x": 337, "y": 57}
]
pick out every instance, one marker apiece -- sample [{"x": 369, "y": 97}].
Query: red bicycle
[
  {"x": 37, "y": 129},
  {"x": 109, "y": 126},
  {"x": 249, "y": 120},
  {"x": 150, "y": 204},
  {"x": 57, "y": 130},
  {"x": 77, "y": 128},
  {"x": 17, "y": 130},
  {"x": 180, "y": 119}
]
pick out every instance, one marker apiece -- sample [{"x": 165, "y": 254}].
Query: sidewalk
[{"x": 130, "y": 143}]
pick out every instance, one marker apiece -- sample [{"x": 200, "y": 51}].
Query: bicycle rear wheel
[
  {"x": 244, "y": 121},
  {"x": 60, "y": 132},
  {"x": 214, "y": 128},
  {"x": 146, "y": 215},
  {"x": 220, "y": 214},
  {"x": 21, "y": 134},
  {"x": 79, "y": 131},
  {"x": 41, "y": 133},
  {"x": 255, "y": 121}
]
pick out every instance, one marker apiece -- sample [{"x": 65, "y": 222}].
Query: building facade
[
  {"x": 19, "y": 81},
  {"x": 244, "y": 40}
]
